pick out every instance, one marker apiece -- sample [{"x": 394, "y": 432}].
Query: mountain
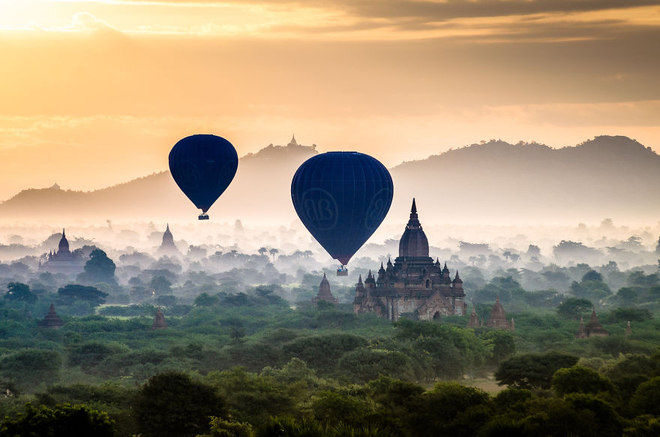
[
  {"x": 260, "y": 189},
  {"x": 489, "y": 183},
  {"x": 497, "y": 182}
]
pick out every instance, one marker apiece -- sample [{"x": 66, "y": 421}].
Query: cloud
[{"x": 86, "y": 22}]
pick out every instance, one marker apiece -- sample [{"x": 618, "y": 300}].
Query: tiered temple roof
[
  {"x": 325, "y": 293},
  {"x": 159, "y": 320},
  {"x": 51, "y": 320},
  {"x": 497, "y": 317}
]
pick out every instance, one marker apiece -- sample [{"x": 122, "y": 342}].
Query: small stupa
[
  {"x": 628, "y": 328},
  {"x": 51, "y": 320},
  {"x": 497, "y": 317},
  {"x": 159, "y": 320},
  {"x": 474, "y": 319},
  {"x": 594, "y": 328},
  {"x": 581, "y": 332},
  {"x": 324, "y": 292}
]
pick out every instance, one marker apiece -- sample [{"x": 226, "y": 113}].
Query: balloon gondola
[
  {"x": 203, "y": 166},
  {"x": 342, "y": 198}
]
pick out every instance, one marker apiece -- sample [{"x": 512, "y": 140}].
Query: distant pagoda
[
  {"x": 497, "y": 317},
  {"x": 594, "y": 328},
  {"x": 159, "y": 320},
  {"x": 167, "y": 247},
  {"x": 324, "y": 292},
  {"x": 581, "y": 332},
  {"x": 51, "y": 320},
  {"x": 474, "y": 319}
]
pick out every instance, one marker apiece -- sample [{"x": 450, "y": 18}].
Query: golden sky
[{"x": 94, "y": 93}]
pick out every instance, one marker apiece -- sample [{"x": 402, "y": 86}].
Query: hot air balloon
[
  {"x": 203, "y": 166},
  {"x": 342, "y": 198}
]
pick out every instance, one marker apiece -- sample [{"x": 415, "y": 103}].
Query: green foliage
[
  {"x": 322, "y": 352},
  {"x": 532, "y": 370},
  {"x": 99, "y": 268},
  {"x": 502, "y": 344},
  {"x": 172, "y": 404},
  {"x": 61, "y": 420},
  {"x": 362, "y": 365},
  {"x": 573, "y": 308},
  {"x": 228, "y": 428},
  {"x": 450, "y": 409},
  {"x": 19, "y": 292},
  {"x": 91, "y": 354},
  {"x": 70, "y": 294},
  {"x": 580, "y": 380},
  {"x": 647, "y": 398},
  {"x": 255, "y": 398},
  {"x": 28, "y": 368}
]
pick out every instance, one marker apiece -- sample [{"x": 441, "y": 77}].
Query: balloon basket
[
  {"x": 342, "y": 271},
  {"x": 203, "y": 217}
]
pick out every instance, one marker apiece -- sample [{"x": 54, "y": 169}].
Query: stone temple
[
  {"x": 64, "y": 260},
  {"x": 414, "y": 285}
]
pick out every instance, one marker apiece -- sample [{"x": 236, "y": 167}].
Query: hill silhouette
[
  {"x": 490, "y": 183},
  {"x": 260, "y": 189},
  {"x": 498, "y": 182}
]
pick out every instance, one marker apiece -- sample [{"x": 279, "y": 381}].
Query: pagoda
[
  {"x": 497, "y": 317},
  {"x": 324, "y": 292},
  {"x": 159, "y": 320},
  {"x": 474, "y": 319},
  {"x": 51, "y": 320},
  {"x": 594, "y": 328}
]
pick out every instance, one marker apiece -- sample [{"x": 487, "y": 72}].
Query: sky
[{"x": 96, "y": 92}]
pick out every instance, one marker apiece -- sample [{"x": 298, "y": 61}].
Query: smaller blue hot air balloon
[
  {"x": 342, "y": 198},
  {"x": 203, "y": 166}
]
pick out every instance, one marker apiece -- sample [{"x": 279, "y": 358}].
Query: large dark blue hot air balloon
[
  {"x": 203, "y": 166},
  {"x": 342, "y": 198}
]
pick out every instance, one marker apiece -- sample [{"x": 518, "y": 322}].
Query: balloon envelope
[
  {"x": 203, "y": 166},
  {"x": 342, "y": 198}
]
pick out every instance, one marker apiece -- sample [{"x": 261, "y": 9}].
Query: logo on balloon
[
  {"x": 187, "y": 175},
  {"x": 319, "y": 208},
  {"x": 378, "y": 208},
  {"x": 226, "y": 172}
]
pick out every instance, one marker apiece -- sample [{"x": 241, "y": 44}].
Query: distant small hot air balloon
[
  {"x": 342, "y": 198},
  {"x": 203, "y": 166}
]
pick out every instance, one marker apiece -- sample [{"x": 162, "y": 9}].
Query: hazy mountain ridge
[
  {"x": 157, "y": 196},
  {"x": 493, "y": 182},
  {"x": 604, "y": 177}
]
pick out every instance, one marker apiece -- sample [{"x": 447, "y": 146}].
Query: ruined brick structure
[{"x": 414, "y": 284}]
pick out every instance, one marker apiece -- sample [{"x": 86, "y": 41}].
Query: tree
[
  {"x": 273, "y": 252},
  {"x": 172, "y": 404},
  {"x": 205, "y": 300},
  {"x": 99, "y": 268},
  {"x": 572, "y": 308},
  {"x": 262, "y": 251},
  {"x": 161, "y": 285},
  {"x": 20, "y": 292},
  {"x": 71, "y": 293},
  {"x": 61, "y": 420},
  {"x": 532, "y": 370},
  {"x": 503, "y": 344},
  {"x": 30, "y": 367},
  {"x": 580, "y": 379},
  {"x": 647, "y": 398}
]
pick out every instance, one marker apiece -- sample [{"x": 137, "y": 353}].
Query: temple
[
  {"x": 159, "y": 321},
  {"x": 63, "y": 260},
  {"x": 497, "y": 317},
  {"x": 324, "y": 292},
  {"x": 167, "y": 247},
  {"x": 51, "y": 320},
  {"x": 592, "y": 329},
  {"x": 413, "y": 285}
]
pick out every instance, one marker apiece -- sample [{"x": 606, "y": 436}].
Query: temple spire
[{"x": 413, "y": 210}]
